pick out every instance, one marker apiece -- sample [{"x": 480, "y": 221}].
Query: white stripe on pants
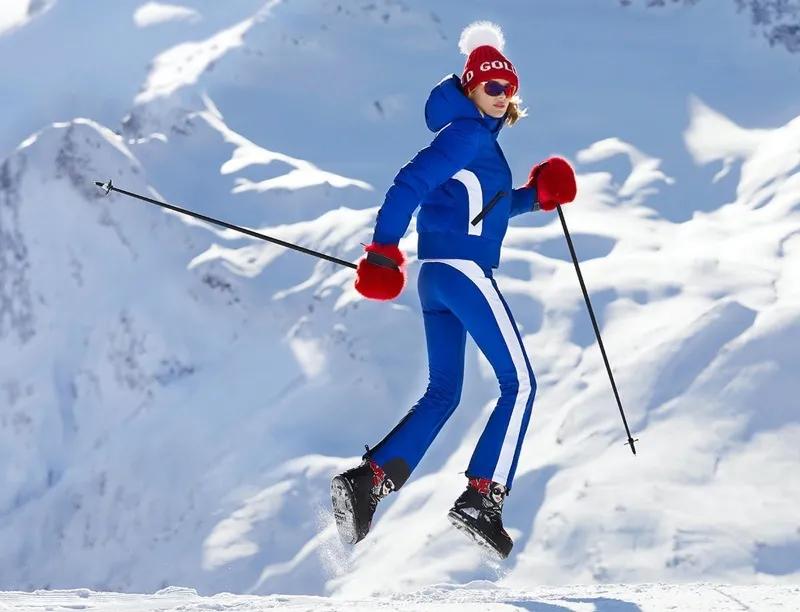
[{"x": 507, "y": 328}]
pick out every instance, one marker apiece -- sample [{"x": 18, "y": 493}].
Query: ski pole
[
  {"x": 109, "y": 187},
  {"x": 630, "y": 441}
]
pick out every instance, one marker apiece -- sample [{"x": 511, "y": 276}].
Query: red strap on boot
[
  {"x": 482, "y": 485},
  {"x": 378, "y": 474}
]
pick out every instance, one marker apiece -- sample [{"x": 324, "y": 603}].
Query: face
[{"x": 494, "y": 106}]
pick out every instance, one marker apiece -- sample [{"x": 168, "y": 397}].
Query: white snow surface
[
  {"x": 480, "y": 595},
  {"x": 175, "y": 396}
]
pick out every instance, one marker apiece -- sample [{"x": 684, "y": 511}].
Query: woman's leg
[
  {"x": 476, "y": 300},
  {"x": 402, "y": 449}
]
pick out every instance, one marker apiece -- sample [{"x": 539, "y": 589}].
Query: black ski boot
[
  {"x": 477, "y": 513},
  {"x": 355, "y": 495}
]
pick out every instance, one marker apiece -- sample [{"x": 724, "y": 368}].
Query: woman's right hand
[{"x": 381, "y": 274}]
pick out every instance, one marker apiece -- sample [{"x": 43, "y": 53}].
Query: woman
[{"x": 463, "y": 184}]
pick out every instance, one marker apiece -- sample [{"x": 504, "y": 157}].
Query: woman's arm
[
  {"x": 451, "y": 150},
  {"x": 523, "y": 199}
]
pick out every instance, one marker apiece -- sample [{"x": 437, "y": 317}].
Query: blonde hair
[{"x": 514, "y": 113}]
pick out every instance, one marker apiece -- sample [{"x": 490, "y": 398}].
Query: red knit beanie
[{"x": 482, "y": 42}]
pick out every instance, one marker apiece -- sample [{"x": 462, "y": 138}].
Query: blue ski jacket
[{"x": 462, "y": 171}]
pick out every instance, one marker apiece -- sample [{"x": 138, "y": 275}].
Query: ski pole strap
[{"x": 381, "y": 260}]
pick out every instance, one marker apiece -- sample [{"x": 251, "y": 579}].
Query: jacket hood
[{"x": 447, "y": 102}]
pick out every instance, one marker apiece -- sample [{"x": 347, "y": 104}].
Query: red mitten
[
  {"x": 381, "y": 273},
  {"x": 554, "y": 180}
]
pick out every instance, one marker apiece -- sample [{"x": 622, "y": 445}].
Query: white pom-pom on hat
[
  {"x": 480, "y": 33},
  {"x": 482, "y": 42}
]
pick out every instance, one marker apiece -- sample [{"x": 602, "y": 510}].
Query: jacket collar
[{"x": 447, "y": 102}]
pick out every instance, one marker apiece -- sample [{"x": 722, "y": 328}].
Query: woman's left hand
[{"x": 554, "y": 181}]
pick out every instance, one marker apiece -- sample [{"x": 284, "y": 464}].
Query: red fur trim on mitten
[
  {"x": 554, "y": 180},
  {"x": 378, "y": 282}
]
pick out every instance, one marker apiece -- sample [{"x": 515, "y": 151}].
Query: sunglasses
[{"x": 495, "y": 88}]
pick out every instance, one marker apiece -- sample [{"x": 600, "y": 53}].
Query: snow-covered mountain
[
  {"x": 174, "y": 397},
  {"x": 778, "y": 22}
]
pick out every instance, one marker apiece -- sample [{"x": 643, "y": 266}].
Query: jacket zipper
[{"x": 488, "y": 207}]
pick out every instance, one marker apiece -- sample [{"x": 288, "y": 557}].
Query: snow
[
  {"x": 174, "y": 396},
  {"x": 155, "y": 13},
  {"x": 474, "y": 596},
  {"x": 13, "y": 14},
  {"x": 16, "y": 13},
  {"x": 644, "y": 168},
  {"x": 183, "y": 64},
  {"x": 247, "y": 153}
]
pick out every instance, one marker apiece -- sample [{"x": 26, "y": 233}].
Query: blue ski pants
[{"x": 457, "y": 297}]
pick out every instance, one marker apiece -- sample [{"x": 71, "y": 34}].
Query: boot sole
[
  {"x": 476, "y": 536},
  {"x": 343, "y": 504}
]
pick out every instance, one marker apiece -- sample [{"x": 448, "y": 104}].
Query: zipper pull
[{"x": 488, "y": 207}]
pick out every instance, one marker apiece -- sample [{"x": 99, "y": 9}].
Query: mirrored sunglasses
[{"x": 495, "y": 88}]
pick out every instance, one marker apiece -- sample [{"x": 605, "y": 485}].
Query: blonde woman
[{"x": 462, "y": 182}]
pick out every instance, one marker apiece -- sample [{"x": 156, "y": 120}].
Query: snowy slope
[
  {"x": 475, "y": 596},
  {"x": 175, "y": 397},
  {"x": 15, "y": 14}
]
